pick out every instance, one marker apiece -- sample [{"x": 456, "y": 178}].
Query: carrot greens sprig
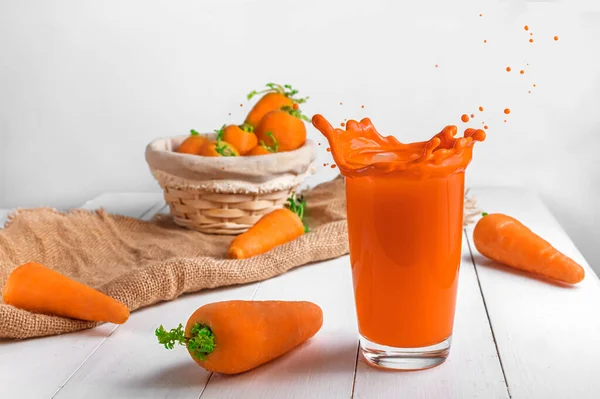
[
  {"x": 298, "y": 205},
  {"x": 286, "y": 90},
  {"x": 200, "y": 344}
]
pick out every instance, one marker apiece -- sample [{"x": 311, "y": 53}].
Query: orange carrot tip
[
  {"x": 286, "y": 90},
  {"x": 235, "y": 336}
]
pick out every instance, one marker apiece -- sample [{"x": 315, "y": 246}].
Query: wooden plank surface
[
  {"x": 471, "y": 371},
  {"x": 131, "y": 364},
  {"x": 548, "y": 335},
  {"x": 323, "y": 367},
  {"x": 37, "y": 368}
]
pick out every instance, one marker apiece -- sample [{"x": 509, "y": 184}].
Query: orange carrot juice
[{"x": 405, "y": 211}]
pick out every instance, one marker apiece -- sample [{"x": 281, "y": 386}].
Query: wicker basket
[{"x": 211, "y": 201}]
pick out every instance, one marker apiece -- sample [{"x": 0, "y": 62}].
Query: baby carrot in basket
[
  {"x": 241, "y": 137},
  {"x": 36, "y": 288},
  {"x": 276, "y": 97},
  {"x": 506, "y": 240},
  {"x": 231, "y": 337},
  {"x": 263, "y": 149},
  {"x": 273, "y": 229},
  {"x": 287, "y": 127},
  {"x": 192, "y": 144},
  {"x": 219, "y": 147}
]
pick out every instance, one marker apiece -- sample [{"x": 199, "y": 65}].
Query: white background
[{"x": 85, "y": 85}]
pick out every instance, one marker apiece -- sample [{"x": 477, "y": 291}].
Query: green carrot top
[
  {"x": 298, "y": 206},
  {"x": 201, "y": 343},
  {"x": 223, "y": 148},
  {"x": 286, "y": 90},
  {"x": 295, "y": 111}
]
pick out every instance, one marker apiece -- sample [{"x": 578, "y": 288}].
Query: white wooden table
[{"x": 514, "y": 336}]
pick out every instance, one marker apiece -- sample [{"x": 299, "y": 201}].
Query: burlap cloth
[{"x": 144, "y": 262}]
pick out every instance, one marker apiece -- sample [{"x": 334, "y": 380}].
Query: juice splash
[
  {"x": 361, "y": 150},
  {"x": 405, "y": 209}
]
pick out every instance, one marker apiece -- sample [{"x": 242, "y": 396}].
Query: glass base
[{"x": 391, "y": 358}]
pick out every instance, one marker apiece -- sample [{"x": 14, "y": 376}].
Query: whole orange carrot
[
  {"x": 192, "y": 144},
  {"x": 286, "y": 126},
  {"x": 506, "y": 240},
  {"x": 241, "y": 137},
  {"x": 273, "y": 229},
  {"x": 231, "y": 337},
  {"x": 36, "y": 288},
  {"x": 276, "y": 97}
]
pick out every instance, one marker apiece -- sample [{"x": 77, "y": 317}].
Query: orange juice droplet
[
  {"x": 340, "y": 103},
  {"x": 505, "y": 121},
  {"x": 241, "y": 105},
  {"x": 526, "y": 27},
  {"x": 342, "y": 124},
  {"x": 333, "y": 166},
  {"x": 328, "y": 149},
  {"x": 485, "y": 127},
  {"x": 508, "y": 69},
  {"x": 521, "y": 71},
  {"x": 481, "y": 15},
  {"x": 362, "y": 106},
  {"x": 481, "y": 108},
  {"x": 436, "y": 65},
  {"x": 534, "y": 85},
  {"x": 464, "y": 118},
  {"x": 530, "y": 40},
  {"x": 507, "y": 111},
  {"x": 472, "y": 115},
  {"x": 324, "y": 164},
  {"x": 531, "y": 34},
  {"x": 555, "y": 38},
  {"x": 222, "y": 167},
  {"x": 485, "y": 41},
  {"x": 295, "y": 106}
]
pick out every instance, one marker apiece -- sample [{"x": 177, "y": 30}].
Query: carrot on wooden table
[
  {"x": 235, "y": 336},
  {"x": 263, "y": 149},
  {"x": 276, "y": 97},
  {"x": 39, "y": 289},
  {"x": 506, "y": 240},
  {"x": 192, "y": 144},
  {"x": 286, "y": 126},
  {"x": 241, "y": 137},
  {"x": 273, "y": 229}
]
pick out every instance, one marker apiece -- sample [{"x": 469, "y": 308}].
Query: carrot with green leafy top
[
  {"x": 506, "y": 240},
  {"x": 276, "y": 97},
  {"x": 192, "y": 144},
  {"x": 264, "y": 149},
  {"x": 39, "y": 289},
  {"x": 235, "y": 336},
  {"x": 242, "y": 137},
  {"x": 286, "y": 126},
  {"x": 219, "y": 147},
  {"x": 273, "y": 229}
]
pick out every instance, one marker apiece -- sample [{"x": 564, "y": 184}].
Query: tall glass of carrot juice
[{"x": 405, "y": 212}]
